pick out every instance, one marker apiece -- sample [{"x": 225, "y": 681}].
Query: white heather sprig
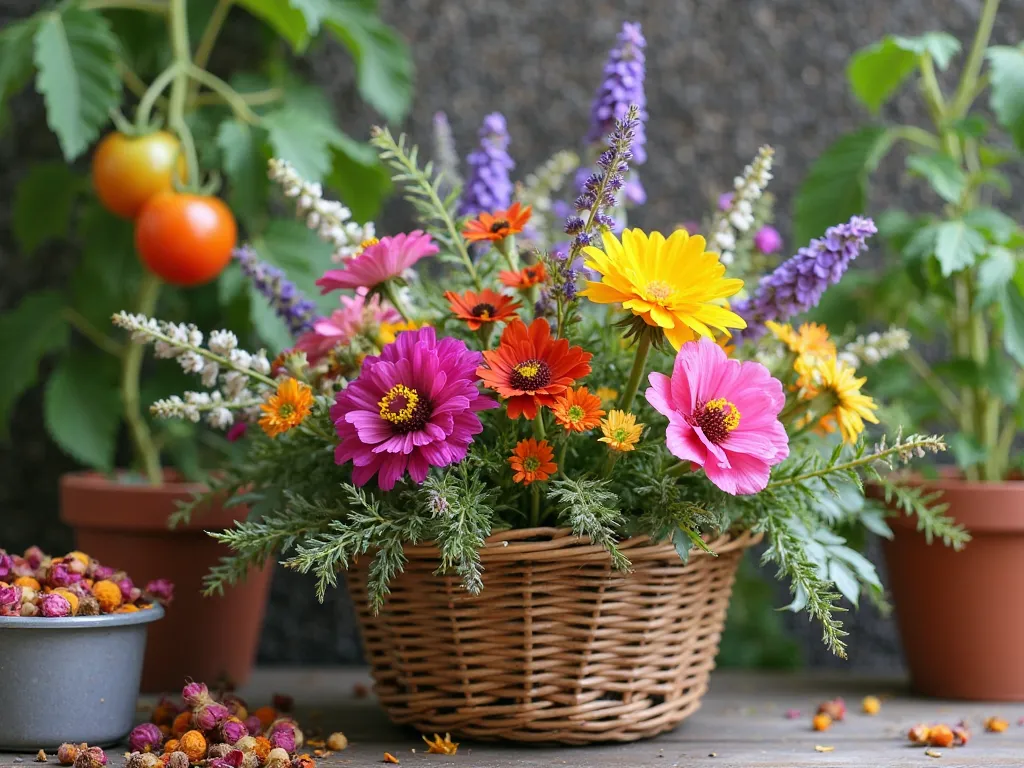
[
  {"x": 539, "y": 188},
  {"x": 330, "y": 219},
  {"x": 739, "y": 216},
  {"x": 875, "y": 347}
]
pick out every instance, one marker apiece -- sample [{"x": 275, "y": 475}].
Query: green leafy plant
[
  {"x": 958, "y": 279},
  {"x": 93, "y": 61}
]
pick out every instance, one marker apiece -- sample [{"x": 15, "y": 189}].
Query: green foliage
[
  {"x": 76, "y": 55},
  {"x": 82, "y": 408},
  {"x": 957, "y": 246},
  {"x": 591, "y": 510},
  {"x": 297, "y": 21},
  {"x": 1013, "y": 321},
  {"x": 876, "y": 72},
  {"x": 942, "y": 172},
  {"x": 245, "y": 166},
  {"x": 15, "y": 59},
  {"x": 836, "y": 187},
  {"x": 43, "y": 203},
  {"x": 28, "y": 333},
  {"x": 1007, "y": 95}
]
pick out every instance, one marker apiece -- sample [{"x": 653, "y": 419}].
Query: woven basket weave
[{"x": 559, "y": 647}]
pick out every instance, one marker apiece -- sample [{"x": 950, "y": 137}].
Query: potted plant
[
  {"x": 506, "y": 473},
  {"x": 956, "y": 282},
  {"x": 153, "y": 233}
]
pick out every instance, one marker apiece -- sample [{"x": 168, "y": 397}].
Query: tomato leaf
[
  {"x": 1007, "y": 95},
  {"x": 245, "y": 166},
  {"x": 28, "y": 333},
  {"x": 108, "y": 273},
  {"x": 42, "y": 204},
  {"x": 302, "y": 141},
  {"x": 383, "y": 64},
  {"x": 76, "y": 56},
  {"x": 82, "y": 408},
  {"x": 361, "y": 186},
  {"x": 15, "y": 59},
  {"x": 836, "y": 187},
  {"x": 295, "y": 20}
]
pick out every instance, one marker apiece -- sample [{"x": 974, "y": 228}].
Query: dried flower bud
[
  {"x": 246, "y": 743},
  {"x": 41, "y": 756},
  {"x": 940, "y": 736},
  {"x": 250, "y": 760},
  {"x": 218, "y": 750},
  {"x": 177, "y": 760},
  {"x": 871, "y": 705},
  {"x": 193, "y": 744},
  {"x": 233, "y": 729},
  {"x": 996, "y": 725},
  {"x": 261, "y": 748},
  {"x": 266, "y": 715},
  {"x": 282, "y": 734},
  {"x": 919, "y": 734},
  {"x": 108, "y": 594},
  {"x": 90, "y": 757},
  {"x": 253, "y": 725},
  {"x": 278, "y": 758},
  {"x": 160, "y": 590},
  {"x": 27, "y": 581},
  {"x": 305, "y": 761},
  {"x": 206, "y": 717},
  {"x": 171, "y": 746},
  {"x": 233, "y": 759},
  {"x": 145, "y": 738},
  {"x": 143, "y": 760},
  {"x": 88, "y": 606},
  {"x": 182, "y": 723},
  {"x": 835, "y": 709},
  {"x": 236, "y": 706},
  {"x": 196, "y": 694},
  {"x": 821, "y": 722},
  {"x": 961, "y": 735},
  {"x": 53, "y": 605},
  {"x": 66, "y": 753},
  {"x": 165, "y": 711},
  {"x": 337, "y": 741}
]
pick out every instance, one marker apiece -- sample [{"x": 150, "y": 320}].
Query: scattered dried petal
[
  {"x": 940, "y": 736},
  {"x": 919, "y": 734},
  {"x": 961, "y": 736},
  {"x": 835, "y": 709},
  {"x": 871, "y": 705},
  {"x": 337, "y": 741},
  {"x": 40, "y": 756},
  {"x": 389, "y": 758},
  {"x": 821, "y": 722},
  {"x": 933, "y": 753},
  {"x": 792, "y": 714},
  {"x": 819, "y": 748},
  {"x": 441, "y": 746},
  {"x": 360, "y": 691},
  {"x": 996, "y": 725}
]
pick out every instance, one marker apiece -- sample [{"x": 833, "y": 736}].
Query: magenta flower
[
  {"x": 412, "y": 408},
  {"x": 379, "y": 262},
  {"x": 768, "y": 240},
  {"x": 723, "y": 416},
  {"x": 145, "y": 738},
  {"x": 356, "y": 314},
  {"x": 161, "y": 590},
  {"x": 6, "y": 564},
  {"x": 725, "y": 201},
  {"x": 53, "y": 606},
  {"x": 237, "y": 431}
]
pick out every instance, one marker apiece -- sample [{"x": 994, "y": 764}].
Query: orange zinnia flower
[
  {"x": 532, "y": 461},
  {"x": 527, "y": 277},
  {"x": 498, "y": 225},
  {"x": 286, "y": 408},
  {"x": 485, "y": 307},
  {"x": 577, "y": 410},
  {"x": 529, "y": 369}
]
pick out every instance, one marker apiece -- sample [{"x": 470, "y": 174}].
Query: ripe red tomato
[
  {"x": 185, "y": 239},
  {"x": 128, "y": 170}
]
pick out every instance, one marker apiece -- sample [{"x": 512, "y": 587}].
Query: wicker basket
[{"x": 559, "y": 647}]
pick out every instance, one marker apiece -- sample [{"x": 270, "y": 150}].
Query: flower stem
[
  {"x": 391, "y": 294},
  {"x": 609, "y": 463},
  {"x": 151, "y": 6},
  {"x": 561, "y": 456},
  {"x": 230, "y": 96},
  {"x": 131, "y": 367},
  {"x": 91, "y": 332},
  {"x": 678, "y": 469},
  {"x": 179, "y": 88},
  {"x": 149, "y": 98},
  {"x": 538, "y": 425},
  {"x": 535, "y": 506},
  {"x": 903, "y": 448},
  {"x": 972, "y": 68},
  {"x": 643, "y": 347},
  {"x": 213, "y": 27}
]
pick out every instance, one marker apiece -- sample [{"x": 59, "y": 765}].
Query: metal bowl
[{"x": 70, "y": 679}]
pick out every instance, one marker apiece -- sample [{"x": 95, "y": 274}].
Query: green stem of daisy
[
  {"x": 679, "y": 469},
  {"x": 561, "y": 456},
  {"x": 643, "y": 348},
  {"x": 609, "y": 463},
  {"x": 391, "y": 294},
  {"x": 538, "y": 425},
  {"x": 535, "y": 506},
  {"x": 131, "y": 367},
  {"x": 507, "y": 247}
]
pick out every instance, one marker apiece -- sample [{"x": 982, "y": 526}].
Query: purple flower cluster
[
  {"x": 489, "y": 187},
  {"x": 287, "y": 301},
  {"x": 797, "y": 284}
]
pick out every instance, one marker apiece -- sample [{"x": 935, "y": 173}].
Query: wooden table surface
[{"x": 742, "y": 723}]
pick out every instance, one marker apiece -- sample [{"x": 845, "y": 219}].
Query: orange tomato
[
  {"x": 185, "y": 239},
  {"x": 128, "y": 170}
]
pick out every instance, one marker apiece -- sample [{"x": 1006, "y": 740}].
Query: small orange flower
[
  {"x": 498, "y": 225},
  {"x": 286, "y": 408},
  {"x": 996, "y": 725},
  {"x": 441, "y": 746},
  {"x": 485, "y": 307},
  {"x": 532, "y": 461},
  {"x": 577, "y": 410},
  {"x": 527, "y": 277}
]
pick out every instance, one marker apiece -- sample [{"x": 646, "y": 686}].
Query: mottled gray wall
[{"x": 724, "y": 76}]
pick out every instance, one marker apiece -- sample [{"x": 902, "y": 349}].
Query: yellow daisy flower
[
  {"x": 672, "y": 283},
  {"x": 287, "y": 407},
  {"x": 832, "y": 378},
  {"x": 621, "y": 431},
  {"x": 607, "y": 394},
  {"x": 811, "y": 339},
  {"x": 389, "y": 331}
]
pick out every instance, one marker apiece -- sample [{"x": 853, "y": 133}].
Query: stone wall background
[{"x": 724, "y": 76}]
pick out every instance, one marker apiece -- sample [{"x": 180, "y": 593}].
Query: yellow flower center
[
  {"x": 367, "y": 243},
  {"x": 531, "y": 463},
  {"x": 403, "y": 407},
  {"x": 575, "y": 414},
  {"x": 717, "y": 418},
  {"x": 659, "y": 290},
  {"x": 530, "y": 375},
  {"x": 621, "y": 435},
  {"x": 285, "y": 410}
]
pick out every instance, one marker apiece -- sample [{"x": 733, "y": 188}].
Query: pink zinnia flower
[
  {"x": 723, "y": 416},
  {"x": 379, "y": 262},
  {"x": 768, "y": 240},
  {"x": 411, "y": 408},
  {"x": 355, "y": 315}
]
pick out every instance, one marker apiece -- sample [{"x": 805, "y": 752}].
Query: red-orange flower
[
  {"x": 498, "y": 225},
  {"x": 529, "y": 369},
  {"x": 485, "y": 307},
  {"x": 577, "y": 410},
  {"x": 532, "y": 461},
  {"x": 527, "y": 277}
]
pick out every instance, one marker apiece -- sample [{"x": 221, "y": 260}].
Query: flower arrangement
[
  {"x": 953, "y": 274},
  {"x": 621, "y": 384},
  {"x": 35, "y": 584}
]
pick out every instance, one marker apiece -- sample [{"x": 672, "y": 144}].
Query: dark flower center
[
  {"x": 405, "y": 409},
  {"x": 716, "y": 418},
  {"x": 530, "y": 375},
  {"x": 483, "y": 311},
  {"x": 499, "y": 226},
  {"x": 531, "y": 273}
]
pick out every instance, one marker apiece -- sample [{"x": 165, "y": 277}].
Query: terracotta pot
[
  {"x": 125, "y": 525},
  {"x": 961, "y": 614}
]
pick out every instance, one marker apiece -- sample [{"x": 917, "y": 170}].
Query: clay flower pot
[
  {"x": 124, "y": 525},
  {"x": 961, "y": 614}
]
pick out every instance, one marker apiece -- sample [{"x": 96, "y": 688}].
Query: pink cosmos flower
[
  {"x": 379, "y": 262},
  {"x": 413, "y": 407},
  {"x": 355, "y": 315},
  {"x": 768, "y": 240},
  {"x": 723, "y": 416}
]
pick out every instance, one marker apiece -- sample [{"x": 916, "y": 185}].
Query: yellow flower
[
  {"x": 621, "y": 431},
  {"x": 286, "y": 408},
  {"x": 389, "y": 331},
  {"x": 838, "y": 381},
  {"x": 811, "y": 339},
  {"x": 672, "y": 284},
  {"x": 607, "y": 394}
]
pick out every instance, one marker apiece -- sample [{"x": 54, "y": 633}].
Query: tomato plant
[
  {"x": 185, "y": 239},
  {"x": 128, "y": 170}
]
